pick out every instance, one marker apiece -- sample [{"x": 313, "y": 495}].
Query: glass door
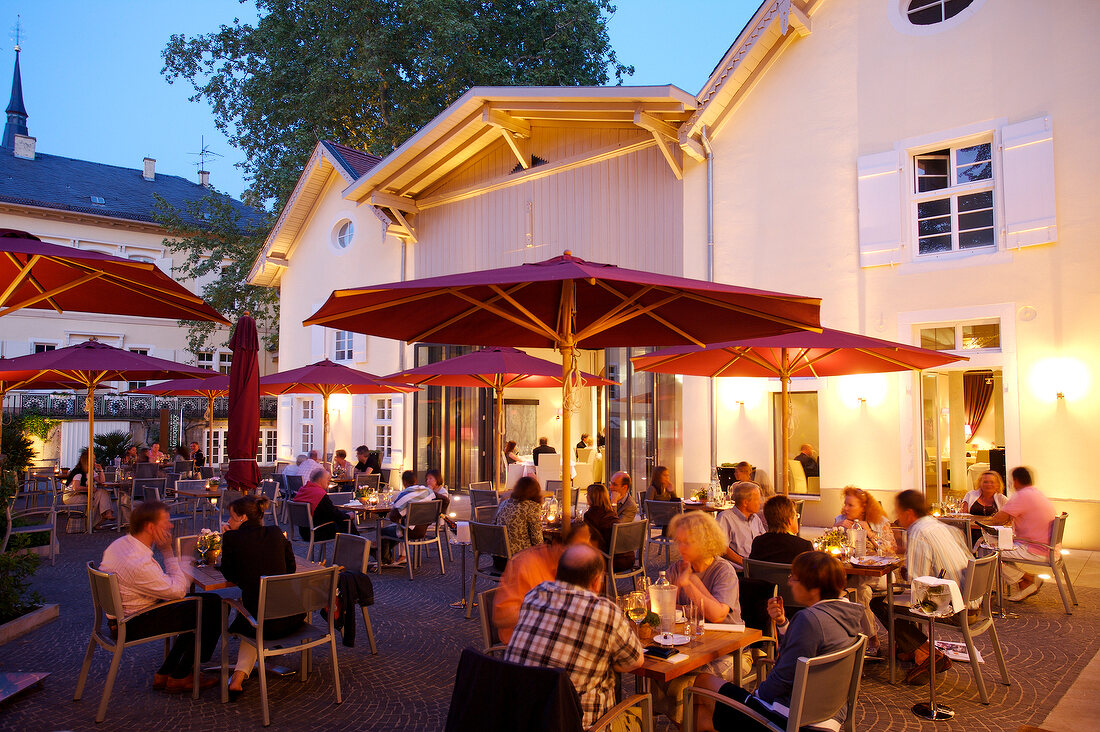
[{"x": 643, "y": 419}]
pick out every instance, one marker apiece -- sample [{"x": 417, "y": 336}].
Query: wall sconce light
[
  {"x": 1060, "y": 379},
  {"x": 862, "y": 390},
  {"x": 740, "y": 392}
]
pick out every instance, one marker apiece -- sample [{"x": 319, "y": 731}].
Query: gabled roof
[
  {"x": 327, "y": 158},
  {"x": 67, "y": 184}
]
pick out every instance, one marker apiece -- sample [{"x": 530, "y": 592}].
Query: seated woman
[
  {"x": 861, "y": 509},
  {"x": 781, "y": 543},
  {"x": 989, "y": 496},
  {"x": 250, "y": 551},
  {"x": 131, "y": 455},
  {"x": 510, "y": 455},
  {"x": 600, "y": 517},
  {"x": 410, "y": 493},
  {"x": 341, "y": 468},
  {"x": 315, "y": 493},
  {"x": 76, "y": 491},
  {"x": 709, "y": 581},
  {"x": 660, "y": 486},
  {"x": 521, "y": 514},
  {"x": 828, "y": 623}
]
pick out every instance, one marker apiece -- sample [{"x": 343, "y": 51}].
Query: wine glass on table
[{"x": 637, "y": 608}]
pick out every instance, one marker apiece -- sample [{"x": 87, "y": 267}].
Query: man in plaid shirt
[{"x": 566, "y": 624}]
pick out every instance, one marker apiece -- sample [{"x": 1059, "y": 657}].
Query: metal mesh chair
[
  {"x": 183, "y": 466},
  {"x": 34, "y": 520},
  {"x": 482, "y": 485},
  {"x": 635, "y": 713},
  {"x": 1053, "y": 561},
  {"x": 353, "y": 552},
  {"x": 341, "y": 498},
  {"x": 284, "y": 596},
  {"x": 301, "y": 516},
  {"x": 35, "y": 492},
  {"x": 269, "y": 489},
  {"x": 146, "y": 470},
  {"x": 489, "y": 635},
  {"x": 483, "y": 497},
  {"x": 823, "y": 685},
  {"x": 483, "y": 514},
  {"x": 422, "y": 513},
  {"x": 371, "y": 482},
  {"x": 487, "y": 540},
  {"x": 629, "y": 537},
  {"x": 660, "y": 513},
  {"x": 107, "y": 600}
]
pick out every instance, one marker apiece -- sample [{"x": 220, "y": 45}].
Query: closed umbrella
[
  {"x": 828, "y": 353},
  {"x": 244, "y": 407},
  {"x": 496, "y": 368},
  {"x": 217, "y": 385},
  {"x": 565, "y": 303},
  {"x": 38, "y": 275},
  {"x": 327, "y": 378},
  {"x": 91, "y": 364}
]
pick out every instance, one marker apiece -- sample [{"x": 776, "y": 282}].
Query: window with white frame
[
  {"x": 930, "y": 12},
  {"x": 307, "y": 438},
  {"x": 215, "y": 457},
  {"x": 138, "y": 384},
  {"x": 44, "y": 347},
  {"x": 266, "y": 448},
  {"x": 383, "y": 427},
  {"x": 345, "y": 348},
  {"x": 953, "y": 198},
  {"x": 225, "y": 362},
  {"x": 205, "y": 360},
  {"x": 969, "y": 336},
  {"x": 307, "y": 409}
]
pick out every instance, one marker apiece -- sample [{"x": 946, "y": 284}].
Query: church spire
[{"x": 17, "y": 113}]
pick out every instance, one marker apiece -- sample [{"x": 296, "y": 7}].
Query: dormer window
[{"x": 98, "y": 200}]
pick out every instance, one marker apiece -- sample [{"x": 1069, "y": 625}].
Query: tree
[
  {"x": 221, "y": 245},
  {"x": 370, "y": 73}
]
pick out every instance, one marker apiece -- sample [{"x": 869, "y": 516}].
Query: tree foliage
[
  {"x": 370, "y": 73},
  {"x": 220, "y": 247}
]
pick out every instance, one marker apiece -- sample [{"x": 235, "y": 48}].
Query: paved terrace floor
[{"x": 407, "y": 686}]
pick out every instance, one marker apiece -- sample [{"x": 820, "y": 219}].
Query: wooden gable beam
[
  {"x": 399, "y": 203},
  {"x": 403, "y": 228},
  {"x": 667, "y": 140},
  {"x": 440, "y": 168},
  {"x": 516, "y": 133}
]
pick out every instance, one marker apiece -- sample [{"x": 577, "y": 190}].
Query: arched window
[
  {"x": 343, "y": 234},
  {"x": 930, "y": 12}
]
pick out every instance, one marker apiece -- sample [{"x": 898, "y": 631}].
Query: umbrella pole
[
  {"x": 500, "y": 433},
  {"x": 209, "y": 431},
  {"x": 324, "y": 430},
  {"x": 785, "y": 378},
  {"x": 567, "y": 346},
  {"x": 89, "y": 478}
]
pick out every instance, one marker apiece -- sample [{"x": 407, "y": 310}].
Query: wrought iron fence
[{"x": 110, "y": 406}]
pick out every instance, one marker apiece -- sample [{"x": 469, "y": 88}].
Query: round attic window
[
  {"x": 930, "y": 12},
  {"x": 342, "y": 235}
]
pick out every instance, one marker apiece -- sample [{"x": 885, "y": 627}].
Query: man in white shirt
[
  {"x": 742, "y": 523},
  {"x": 143, "y": 585},
  {"x": 307, "y": 466}
]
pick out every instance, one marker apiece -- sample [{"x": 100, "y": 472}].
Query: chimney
[
  {"x": 204, "y": 178},
  {"x": 149, "y": 169},
  {"x": 24, "y": 147}
]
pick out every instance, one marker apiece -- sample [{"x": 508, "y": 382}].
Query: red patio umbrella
[
  {"x": 244, "y": 407},
  {"x": 497, "y": 369},
  {"x": 828, "y": 353},
  {"x": 90, "y": 364},
  {"x": 42, "y": 276},
  {"x": 15, "y": 382},
  {"x": 217, "y": 385},
  {"x": 565, "y": 303},
  {"x": 327, "y": 378}
]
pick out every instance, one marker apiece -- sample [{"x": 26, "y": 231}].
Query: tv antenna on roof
[{"x": 204, "y": 154}]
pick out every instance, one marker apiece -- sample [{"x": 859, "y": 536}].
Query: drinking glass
[{"x": 637, "y": 607}]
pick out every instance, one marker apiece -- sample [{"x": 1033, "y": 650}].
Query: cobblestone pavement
[{"x": 407, "y": 686}]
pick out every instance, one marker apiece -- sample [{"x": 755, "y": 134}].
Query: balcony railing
[{"x": 109, "y": 406}]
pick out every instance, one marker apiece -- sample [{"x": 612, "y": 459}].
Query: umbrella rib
[
  {"x": 369, "y": 308},
  {"x": 533, "y": 327},
  {"x": 47, "y": 295},
  {"x": 639, "y": 311},
  {"x": 457, "y": 292},
  {"x": 156, "y": 295},
  {"x": 122, "y": 281},
  {"x": 598, "y": 325},
  {"x": 514, "y": 303},
  {"x": 24, "y": 272},
  {"x": 749, "y": 311},
  {"x": 884, "y": 357}
]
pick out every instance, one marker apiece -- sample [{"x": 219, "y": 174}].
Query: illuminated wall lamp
[{"x": 1062, "y": 380}]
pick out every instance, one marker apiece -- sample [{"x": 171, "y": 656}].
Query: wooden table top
[
  {"x": 689, "y": 506},
  {"x": 365, "y": 508},
  {"x": 711, "y": 646},
  {"x": 880, "y": 571},
  {"x": 192, "y": 493},
  {"x": 210, "y": 578}
]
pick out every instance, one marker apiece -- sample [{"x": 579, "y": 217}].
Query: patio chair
[
  {"x": 422, "y": 513},
  {"x": 487, "y": 540},
  {"x": 36, "y": 491},
  {"x": 628, "y": 537},
  {"x": 146, "y": 470},
  {"x": 483, "y": 497},
  {"x": 144, "y": 486},
  {"x": 575, "y": 497},
  {"x": 1053, "y": 561},
  {"x": 208, "y": 472},
  {"x": 78, "y": 511},
  {"x": 978, "y": 582},
  {"x": 775, "y": 573},
  {"x": 341, "y": 498},
  {"x": 34, "y": 520},
  {"x": 634, "y": 713},
  {"x": 222, "y": 502},
  {"x": 183, "y": 466},
  {"x": 483, "y": 485},
  {"x": 107, "y": 600},
  {"x": 489, "y": 635},
  {"x": 660, "y": 513},
  {"x": 483, "y": 514},
  {"x": 370, "y": 482},
  {"x": 283, "y": 596},
  {"x": 269, "y": 488},
  {"x": 176, "y": 513},
  {"x": 353, "y": 552},
  {"x": 301, "y": 515},
  {"x": 823, "y": 685}
]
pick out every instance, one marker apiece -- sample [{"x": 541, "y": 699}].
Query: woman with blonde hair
[
  {"x": 709, "y": 581},
  {"x": 863, "y": 511}
]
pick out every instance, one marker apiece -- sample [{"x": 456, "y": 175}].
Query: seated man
[
  {"x": 368, "y": 461},
  {"x": 196, "y": 455},
  {"x": 622, "y": 497},
  {"x": 781, "y": 543},
  {"x": 315, "y": 493},
  {"x": 741, "y": 523},
  {"x": 307, "y": 467},
  {"x": 809, "y": 463},
  {"x": 1031, "y": 514},
  {"x": 932, "y": 547},
  {"x": 296, "y": 468},
  {"x": 142, "y": 584},
  {"x": 524, "y": 571},
  {"x": 744, "y": 471},
  {"x": 566, "y": 624},
  {"x": 411, "y": 493},
  {"x": 543, "y": 448}
]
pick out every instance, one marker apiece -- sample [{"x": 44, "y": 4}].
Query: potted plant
[{"x": 111, "y": 445}]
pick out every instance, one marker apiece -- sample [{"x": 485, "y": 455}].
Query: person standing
[{"x": 1031, "y": 514}]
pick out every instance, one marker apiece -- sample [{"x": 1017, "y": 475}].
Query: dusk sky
[{"x": 94, "y": 91}]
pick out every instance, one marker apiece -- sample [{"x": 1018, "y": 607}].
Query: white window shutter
[
  {"x": 880, "y": 208},
  {"x": 359, "y": 344},
  {"x": 1027, "y": 165}
]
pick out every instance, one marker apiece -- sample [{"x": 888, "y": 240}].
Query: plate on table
[
  {"x": 871, "y": 561},
  {"x": 671, "y": 639},
  {"x": 691, "y": 502}
]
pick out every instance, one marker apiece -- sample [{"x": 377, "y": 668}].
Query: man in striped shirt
[
  {"x": 933, "y": 547},
  {"x": 566, "y": 624}
]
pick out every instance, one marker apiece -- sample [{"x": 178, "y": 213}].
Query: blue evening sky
[{"x": 93, "y": 88}]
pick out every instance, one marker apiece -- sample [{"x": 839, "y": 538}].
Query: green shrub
[
  {"x": 16, "y": 447},
  {"x": 111, "y": 445},
  {"x": 16, "y": 596}
]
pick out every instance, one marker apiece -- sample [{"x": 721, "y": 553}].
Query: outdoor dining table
[
  {"x": 707, "y": 506},
  {"x": 378, "y": 512},
  {"x": 207, "y": 578},
  {"x": 887, "y": 571},
  {"x": 712, "y": 645},
  {"x": 201, "y": 497}
]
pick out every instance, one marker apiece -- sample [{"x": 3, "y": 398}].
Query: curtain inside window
[{"x": 977, "y": 390}]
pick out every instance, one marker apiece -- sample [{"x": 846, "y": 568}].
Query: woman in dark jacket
[
  {"x": 251, "y": 550},
  {"x": 600, "y": 517}
]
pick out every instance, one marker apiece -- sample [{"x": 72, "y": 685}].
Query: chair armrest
[
  {"x": 327, "y": 523},
  {"x": 689, "y": 712},
  {"x": 603, "y": 724},
  {"x": 236, "y": 604},
  {"x": 164, "y": 603}
]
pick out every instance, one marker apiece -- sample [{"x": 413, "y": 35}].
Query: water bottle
[
  {"x": 857, "y": 537},
  {"x": 663, "y": 598}
]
